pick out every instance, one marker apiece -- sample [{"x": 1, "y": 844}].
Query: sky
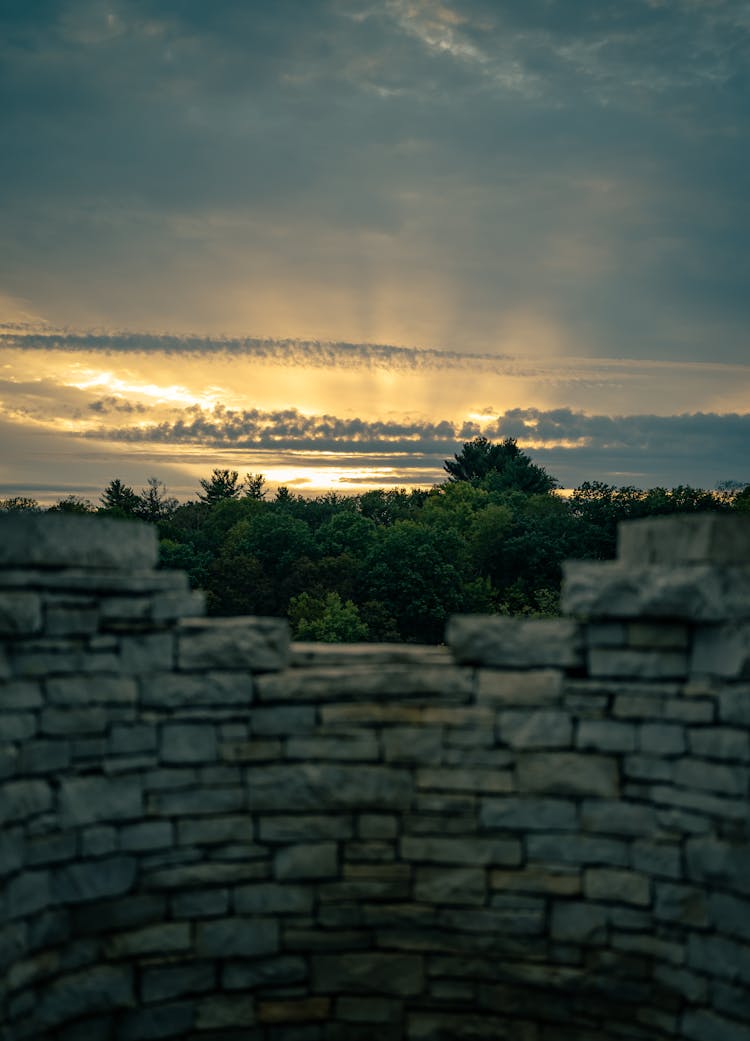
[{"x": 330, "y": 240}]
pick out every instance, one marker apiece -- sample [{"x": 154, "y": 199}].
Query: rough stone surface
[
  {"x": 685, "y": 539},
  {"x": 65, "y": 541},
  {"x": 371, "y": 842}
]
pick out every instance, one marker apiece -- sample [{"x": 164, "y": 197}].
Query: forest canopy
[{"x": 389, "y": 565}]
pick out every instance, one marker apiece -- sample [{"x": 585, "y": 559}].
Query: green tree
[
  {"x": 154, "y": 504},
  {"x": 327, "y": 619},
  {"x": 120, "y": 500},
  {"x": 19, "y": 504},
  {"x": 72, "y": 504},
  {"x": 502, "y": 465},
  {"x": 253, "y": 485},
  {"x": 221, "y": 485}
]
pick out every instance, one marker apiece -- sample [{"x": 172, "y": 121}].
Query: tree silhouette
[{"x": 502, "y": 465}]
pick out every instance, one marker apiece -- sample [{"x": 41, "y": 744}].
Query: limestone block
[
  {"x": 455, "y": 885},
  {"x": 577, "y": 922},
  {"x": 295, "y": 1010},
  {"x": 606, "y": 735},
  {"x": 225, "y": 1011},
  {"x": 627, "y": 887},
  {"x": 308, "y": 828},
  {"x": 161, "y": 938},
  {"x": 528, "y": 814},
  {"x": 544, "y": 728},
  {"x": 310, "y": 786},
  {"x": 157, "y": 1021},
  {"x": 200, "y": 903},
  {"x": 682, "y": 905},
  {"x": 690, "y": 592},
  {"x": 685, "y": 539},
  {"x": 27, "y": 894},
  {"x": 272, "y": 898},
  {"x": 722, "y": 651},
  {"x": 59, "y": 540},
  {"x": 359, "y": 746},
  {"x": 188, "y": 743},
  {"x": 312, "y": 860},
  {"x": 94, "y": 879},
  {"x": 564, "y": 773},
  {"x": 91, "y": 690},
  {"x": 566, "y": 848},
  {"x": 657, "y": 858},
  {"x": 161, "y": 983},
  {"x": 170, "y": 690},
  {"x": 20, "y": 613},
  {"x": 503, "y": 852},
  {"x": 661, "y": 738},
  {"x": 363, "y": 682},
  {"x": 88, "y": 800},
  {"x": 370, "y": 972},
  {"x": 247, "y": 975},
  {"x": 636, "y": 663},
  {"x": 515, "y": 642},
  {"x": 237, "y": 937},
  {"x": 617, "y": 817},
  {"x": 99, "y": 988},
  {"x": 256, "y": 644},
  {"x": 20, "y": 800},
  {"x": 720, "y": 743}
]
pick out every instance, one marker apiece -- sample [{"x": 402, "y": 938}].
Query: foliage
[
  {"x": 72, "y": 504},
  {"x": 389, "y": 564},
  {"x": 19, "y": 504},
  {"x": 328, "y": 619}
]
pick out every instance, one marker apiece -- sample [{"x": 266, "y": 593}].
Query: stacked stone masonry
[{"x": 539, "y": 834}]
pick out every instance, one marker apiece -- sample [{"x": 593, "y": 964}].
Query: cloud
[{"x": 699, "y": 448}]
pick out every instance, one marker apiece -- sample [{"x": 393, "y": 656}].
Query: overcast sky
[{"x": 212, "y": 213}]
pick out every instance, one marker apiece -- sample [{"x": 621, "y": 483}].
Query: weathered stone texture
[{"x": 205, "y": 834}]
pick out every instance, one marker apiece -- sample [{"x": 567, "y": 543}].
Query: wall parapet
[{"x": 540, "y": 831}]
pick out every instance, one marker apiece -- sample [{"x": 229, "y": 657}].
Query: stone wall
[{"x": 539, "y": 834}]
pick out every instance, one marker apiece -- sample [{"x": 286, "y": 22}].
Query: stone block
[
  {"x": 132, "y": 738},
  {"x": 94, "y": 879},
  {"x": 449, "y": 779},
  {"x": 58, "y": 540},
  {"x": 83, "y": 690},
  {"x": 283, "y": 720},
  {"x": 295, "y": 1010},
  {"x": 564, "y": 848},
  {"x": 363, "y": 682},
  {"x": 617, "y": 817},
  {"x": 27, "y": 893},
  {"x": 168, "y": 690},
  {"x": 689, "y": 592},
  {"x": 605, "y": 735},
  {"x": 181, "y": 803},
  {"x": 256, "y": 644},
  {"x": 528, "y": 814},
  {"x": 157, "y": 1021},
  {"x": 681, "y": 905},
  {"x": 308, "y": 828},
  {"x": 720, "y": 743},
  {"x": 657, "y": 858},
  {"x": 730, "y": 914},
  {"x": 146, "y": 653},
  {"x": 20, "y": 613},
  {"x": 706, "y": 538},
  {"x": 543, "y": 728},
  {"x": 272, "y": 898},
  {"x": 265, "y": 972},
  {"x": 722, "y": 650},
  {"x": 211, "y": 831},
  {"x": 627, "y": 887},
  {"x": 407, "y": 744},
  {"x": 71, "y": 619},
  {"x": 577, "y": 922},
  {"x": 372, "y": 972},
  {"x": 719, "y": 862},
  {"x": 200, "y": 903},
  {"x": 456, "y": 885},
  {"x": 225, "y": 1012},
  {"x": 376, "y": 825},
  {"x": 146, "y": 835},
  {"x": 313, "y": 860},
  {"x": 706, "y": 1025},
  {"x": 162, "y": 938},
  {"x": 162, "y": 983},
  {"x": 237, "y": 937},
  {"x": 553, "y": 880},
  {"x": 87, "y": 800},
  {"x": 310, "y": 786},
  {"x": 17, "y": 726},
  {"x": 491, "y": 640},
  {"x": 99, "y": 988},
  {"x": 188, "y": 743},
  {"x": 707, "y": 775},
  {"x": 20, "y": 800},
  {"x": 468, "y": 849},
  {"x": 636, "y": 663},
  {"x": 661, "y": 739},
  {"x": 734, "y": 705},
  {"x": 719, "y": 956},
  {"x": 563, "y": 773}
]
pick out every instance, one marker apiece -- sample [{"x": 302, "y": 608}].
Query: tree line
[{"x": 389, "y": 565}]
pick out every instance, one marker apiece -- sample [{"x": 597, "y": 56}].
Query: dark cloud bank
[{"x": 700, "y": 449}]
